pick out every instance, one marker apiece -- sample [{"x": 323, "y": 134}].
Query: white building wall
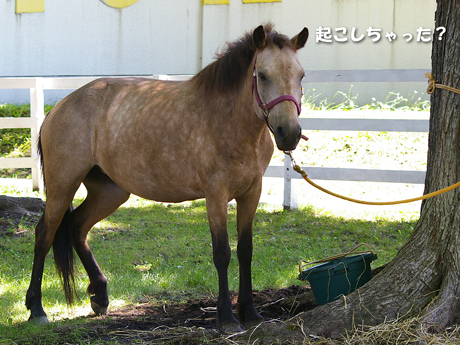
[
  {"x": 86, "y": 37},
  {"x": 224, "y": 23}
]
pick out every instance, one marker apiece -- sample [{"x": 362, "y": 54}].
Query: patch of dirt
[
  {"x": 15, "y": 211},
  {"x": 191, "y": 322}
]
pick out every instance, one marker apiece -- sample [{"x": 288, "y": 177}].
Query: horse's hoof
[
  {"x": 39, "y": 320},
  {"x": 254, "y": 322},
  {"x": 248, "y": 316},
  {"x": 98, "y": 309},
  {"x": 231, "y": 327}
]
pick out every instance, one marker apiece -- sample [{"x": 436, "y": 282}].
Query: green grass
[
  {"x": 349, "y": 101},
  {"x": 154, "y": 252},
  {"x": 149, "y": 250}
]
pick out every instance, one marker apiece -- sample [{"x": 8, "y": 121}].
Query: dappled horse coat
[{"x": 169, "y": 141}]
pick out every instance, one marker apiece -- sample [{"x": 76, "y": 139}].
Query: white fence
[{"x": 38, "y": 85}]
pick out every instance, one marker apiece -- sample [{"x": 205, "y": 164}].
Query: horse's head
[{"x": 277, "y": 85}]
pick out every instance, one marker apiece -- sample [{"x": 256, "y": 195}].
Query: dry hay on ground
[{"x": 194, "y": 322}]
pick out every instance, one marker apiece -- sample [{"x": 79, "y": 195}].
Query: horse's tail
[
  {"x": 40, "y": 155},
  {"x": 64, "y": 256}
]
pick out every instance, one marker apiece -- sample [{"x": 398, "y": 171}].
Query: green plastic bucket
[{"x": 339, "y": 277}]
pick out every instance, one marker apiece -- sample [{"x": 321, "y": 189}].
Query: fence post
[
  {"x": 37, "y": 111},
  {"x": 290, "y": 194}
]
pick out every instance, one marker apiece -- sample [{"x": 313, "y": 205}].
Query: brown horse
[{"x": 169, "y": 142}]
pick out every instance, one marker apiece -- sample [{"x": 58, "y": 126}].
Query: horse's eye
[{"x": 262, "y": 76}]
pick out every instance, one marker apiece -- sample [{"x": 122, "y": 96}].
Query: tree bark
[
  {"x": 423, "y": 279},
  {"x": 444, "y": 168}
]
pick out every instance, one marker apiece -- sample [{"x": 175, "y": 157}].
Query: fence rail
[{"x": 37, "y": 86}]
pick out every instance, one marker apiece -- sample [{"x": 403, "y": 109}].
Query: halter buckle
[{"x": 265, "y": 111}]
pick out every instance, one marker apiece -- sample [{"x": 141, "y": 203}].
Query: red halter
[{"x": 266, "y": 107}]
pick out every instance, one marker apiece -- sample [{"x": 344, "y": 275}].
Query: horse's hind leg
[
  {"x": 34, "y": 294},
  {"x": 104, "y": 197},
  {"x": 57, "y": 208}
]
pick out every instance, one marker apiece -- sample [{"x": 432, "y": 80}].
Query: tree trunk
[{"x": 423, "y": 279}]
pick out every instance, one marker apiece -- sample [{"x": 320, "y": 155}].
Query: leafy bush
[
  {"x": 10, "y": 139},
  {"x": 15, "y": 142}
]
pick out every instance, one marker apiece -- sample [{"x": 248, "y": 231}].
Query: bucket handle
[{"x": 304, "y": 263}]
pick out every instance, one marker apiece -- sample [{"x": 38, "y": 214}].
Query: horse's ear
[
  {"x": 300, "y": 40},
  {"x": 259, "y": 37}
]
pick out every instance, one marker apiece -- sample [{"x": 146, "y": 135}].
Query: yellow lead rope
[
  {"x": 423, "y": 197},
  {"x": 432, "y": 85}
]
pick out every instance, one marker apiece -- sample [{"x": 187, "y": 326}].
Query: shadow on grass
[{"x": 148, "y": 249}]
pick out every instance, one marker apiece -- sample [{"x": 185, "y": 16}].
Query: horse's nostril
[
  {"x": 287, "y": 138},
  {"x": 281, "y": 133}
]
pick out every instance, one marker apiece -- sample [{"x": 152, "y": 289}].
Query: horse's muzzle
[{"x": 287, "y": 138}]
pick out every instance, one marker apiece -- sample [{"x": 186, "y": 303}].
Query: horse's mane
[{"x": 231, "y": 66}]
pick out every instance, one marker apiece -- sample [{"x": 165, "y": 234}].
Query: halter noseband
[{"x": 266, "y": 107}]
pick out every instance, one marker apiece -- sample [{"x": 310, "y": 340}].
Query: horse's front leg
[
  {"x": 246, "y": 209},
  {"x": 217, "y": 215}
]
